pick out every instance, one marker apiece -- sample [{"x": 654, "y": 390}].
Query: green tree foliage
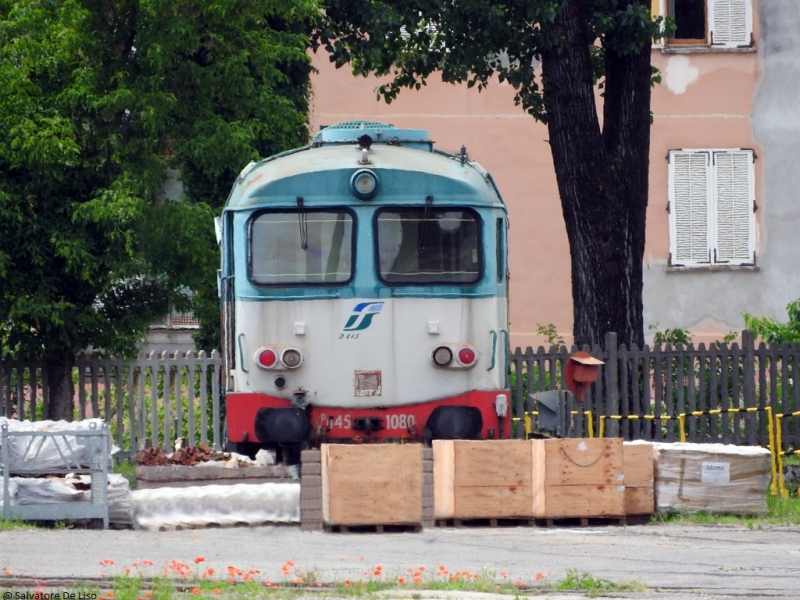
[
  {"x": 675, "y": 336},
  {"x": 774, "y": 332},
  {"x": 555, "y": 53},
  {"x": 99, "y": 101}
]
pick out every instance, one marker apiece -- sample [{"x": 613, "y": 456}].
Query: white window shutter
[
  {"x": 689, "y": 198},
  {"x": 730, "y": 22},
  {"x": 734, "y": 189}
]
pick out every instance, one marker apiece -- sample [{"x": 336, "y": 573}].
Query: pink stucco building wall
[{"x": 705, "y": 101}]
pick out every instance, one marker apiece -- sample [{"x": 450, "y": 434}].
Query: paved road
[{"x": 674, "y": 561}]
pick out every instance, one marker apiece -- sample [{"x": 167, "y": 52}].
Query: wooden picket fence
[
  {"x": 156, "y": 398},
  {"x": 151, "y": 400},
  {"x": 657, "y": 385}
]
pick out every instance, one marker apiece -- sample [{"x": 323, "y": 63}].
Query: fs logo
[{"x": 362, "y": 316}]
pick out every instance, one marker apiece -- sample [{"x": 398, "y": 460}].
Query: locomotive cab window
[
  {"x": 419, "y": 246},
  {"x": 301, "y": 248}
]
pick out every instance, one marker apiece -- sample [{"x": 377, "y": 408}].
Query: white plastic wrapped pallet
[
  {"x": 715, "y": 478},
  {"x": 252, "y": 504},
  {"x": 46, "y": 491},
  {"x": 52, "y": 490},
  {"x": 42, "y": 453},
  {"x": 120, "y": 504},
  {"x": 12, "y": 491}
]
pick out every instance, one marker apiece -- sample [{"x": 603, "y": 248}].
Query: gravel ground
[{"x": 673, "y": 561}]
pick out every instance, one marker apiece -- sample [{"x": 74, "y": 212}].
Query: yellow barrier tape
[{"x": 773, "y": 422}]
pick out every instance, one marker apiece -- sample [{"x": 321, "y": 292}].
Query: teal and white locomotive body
[{"x": 364, "y": 292}]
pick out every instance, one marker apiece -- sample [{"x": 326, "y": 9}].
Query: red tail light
[
  {"x": 455, "y": 356},
  {"x": 267, "y": 358},
  {"x": 466, "y": 356}
]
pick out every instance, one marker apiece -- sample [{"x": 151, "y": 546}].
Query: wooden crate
[
  {"x": 482, "y": 479},
  {"x": 637, "y": 466},
  {"x": 577, "y": 478},
  {"x": 372, "y": 484}
]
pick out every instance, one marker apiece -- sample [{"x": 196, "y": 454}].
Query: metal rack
[{"x": 77, "y": 451}]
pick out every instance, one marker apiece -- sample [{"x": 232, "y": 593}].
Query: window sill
[
  {"x": 678, "y": 49},
  {"x": 714, "y": 269}
]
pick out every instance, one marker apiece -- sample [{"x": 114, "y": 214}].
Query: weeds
[
  {"x": 10, "y": 525},
  {"x": 576, "y": 580},
  {"x": 128, "y": 470},
  {"x": 143, "y": 580}
]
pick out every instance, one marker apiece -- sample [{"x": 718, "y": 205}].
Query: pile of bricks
[
  {"x": 427, "y": 488},
  {"x": 311, "y": 490},
  {"x": 188, "y": 456}
]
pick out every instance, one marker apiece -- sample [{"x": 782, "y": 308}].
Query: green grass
[
  {"x": 781, "y": 511},
  {"x": 187, "y": 581},
  {"x": 161, "y": 588},
  {"x": 127, "y": 470},
  {"x": 791, "y": 459},
  {"x": 180, "y": 581},
  {"x": 10, "y": 525},
  {"x": 579, "y": 581}
]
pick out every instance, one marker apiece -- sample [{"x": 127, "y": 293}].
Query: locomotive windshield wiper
[
  {"x": 426, "y": 215},
  {"x": 302, "y": 220}
]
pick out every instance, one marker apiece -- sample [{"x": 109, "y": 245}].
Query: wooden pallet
[
  {"x": 560, "y": 522},
  {"x": 388, "y": 528},
  {"x": 594, "y": 521},
  {"x": 486, "y": 522},
  {"x": 638, "y": 519}
]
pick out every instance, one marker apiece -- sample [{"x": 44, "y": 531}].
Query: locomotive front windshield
[
  {"x": 301, "y": 248},
  {"x": 418, "y": 246}
]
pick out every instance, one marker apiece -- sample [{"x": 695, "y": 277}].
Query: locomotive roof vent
[{"x": 353, "y": 132}]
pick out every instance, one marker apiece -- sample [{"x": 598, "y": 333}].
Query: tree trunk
[
  {"x": 61, "y": 390},
  {"x": 602, "y": 177}
]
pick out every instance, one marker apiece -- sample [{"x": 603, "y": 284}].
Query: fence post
[
  {"x": 215, "y": 392},
  {"x": 519, "y": 409},
  {"x": 612, "y": 384},
  {"x": 749, "y": 391}
]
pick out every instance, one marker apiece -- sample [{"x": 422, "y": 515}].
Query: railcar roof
[{"x": 269, "y": 177}]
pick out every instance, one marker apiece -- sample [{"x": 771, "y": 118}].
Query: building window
[
  {"x": 690, "y": 20},
  {"x": 711, "y": 207},
  {"x": 714, "y": 23}
]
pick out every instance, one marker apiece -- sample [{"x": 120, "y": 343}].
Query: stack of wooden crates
[
  {"x": 541, "y": 479},
  {"x": 407, "y": 485}
]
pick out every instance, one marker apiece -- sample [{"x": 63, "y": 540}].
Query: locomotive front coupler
[
  {"x": 299, "y": 399},
  {"x": 368, "y": 424}
]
